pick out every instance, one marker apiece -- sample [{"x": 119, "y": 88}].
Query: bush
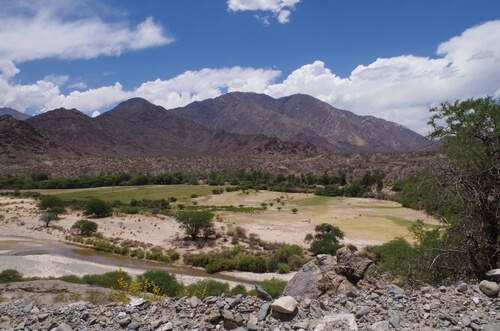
[
  {"x": 85, "y": 227},
  {"x": 109, "y": 279},
  {"x": 10, "y": 276},
  {"x": 97, "y": 208},
  {"x": 207, "y": 287},
  {"x": 283, "y": 268},
  {"x": 166, "y": 282},
  {"x": 273, "y": 286},
  {"x": 238, "y": 289},
  {"x": 74, "y": 279}
]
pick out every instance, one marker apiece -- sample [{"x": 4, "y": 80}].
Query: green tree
[
  {"x": 85, "y": 227},
  {"x": 325, "y": 240},
  {"x": 53, "y": 206},
  {"x": 469, "y": 179},
  {"x": 97, "y": 208},
  {"x": 194, "y": 222}
]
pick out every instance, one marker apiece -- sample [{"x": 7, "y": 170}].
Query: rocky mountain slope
[
  {"x": 22, "y": 144},
  {"x": 138, "y": 128},
  {"x": 14, "y": 113},
  {"x": 301, "y": 118}
]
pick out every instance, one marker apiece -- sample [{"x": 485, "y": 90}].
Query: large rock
[
  {"x": 326, "y": 273},
  {"x": 489, "y": 288},
  {"x": 284, "y": 305}
]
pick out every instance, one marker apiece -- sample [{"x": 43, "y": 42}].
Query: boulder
[
  {"x": 338, "y": 274},
  {"x": 489, "y": 288},
  {"x": 285, "y": 305},
  {"x": 494, "y": 274}
]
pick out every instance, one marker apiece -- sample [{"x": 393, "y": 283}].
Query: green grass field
[
  {"x": 360, "y": 219},
  {"x": 128, "y": 193}
]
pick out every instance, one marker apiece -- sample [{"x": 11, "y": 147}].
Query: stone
[
  {"x": 395, "y": 320},
  {"x": 489, "y": 288},
  {"x": 380, "y": 326},
  {"x": 339, "y": 274},
  {"x": 193, "y": 301},
  {"x": 168, "y": 326},
  {"x": 64, "y": 327},
  {"x": 491, "y": 327},
  {"x": 362, "y": 312},
  {"x": 328, "y": 320},
  {"x": 262, "y": 294},
  {"x": 28, "y": 308},
  {"x": 252, "y": 327},
  {"x": 285, "y": 305},
  {"x": 494, "y": 274},
  {"x": 264, "y": 310}
]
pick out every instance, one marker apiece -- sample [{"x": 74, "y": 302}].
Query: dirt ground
[{"x": 365, "y": 222}]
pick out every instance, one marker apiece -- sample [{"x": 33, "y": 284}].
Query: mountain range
[{"x": 235, "y": 124}]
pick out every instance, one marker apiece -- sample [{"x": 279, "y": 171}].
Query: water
[{"x": 24, "y": 247}]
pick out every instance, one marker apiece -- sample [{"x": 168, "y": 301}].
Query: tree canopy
[
  {"x": 53, "y": 206},
  {"x": 470, "y": 177},
  {"x": 325, "y": 240},
  {"x": 97, "y": 208},
  {"x": 195, "y": 222}
]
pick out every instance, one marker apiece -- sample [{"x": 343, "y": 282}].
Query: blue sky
[{"x": 389, "y": 58}]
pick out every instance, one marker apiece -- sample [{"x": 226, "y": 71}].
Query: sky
[{"x": 391, "y": 59}]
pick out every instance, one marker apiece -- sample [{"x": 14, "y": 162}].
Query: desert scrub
[
  {"x": 109, "y": 279},
  {"x": 273, "y": 286},
  {"x": 98, "y": 297},
  {"x": 137, "y": 288},
  {"x": 206, "y": 287},
  {"x": 165, "y": 282}
]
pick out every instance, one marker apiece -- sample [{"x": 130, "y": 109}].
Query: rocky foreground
[
  {"x": 328, "y": 293},
  {"x": 459, "y": 307}
]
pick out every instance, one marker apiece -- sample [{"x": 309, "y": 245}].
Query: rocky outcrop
[
  {"x": 458, "y": 307},
  {"x": 337, "y": 274}
]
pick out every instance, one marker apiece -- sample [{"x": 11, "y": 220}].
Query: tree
[
  {"x": 53, "y": 206},
  {"x": 325, "y": 240},
  {"x": 195, "y": 222},
  {"x": 97, "y": 208},
  {"x": 469, "y": 179},
  {"x": 85, "y": 227}
]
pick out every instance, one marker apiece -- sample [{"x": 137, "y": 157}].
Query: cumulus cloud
[
  {"x": 402, "y": 88},
  {"x": 399, "y": 89},
  {"x": 281, "y": 9},
  {"x": 42, "y": 29}
]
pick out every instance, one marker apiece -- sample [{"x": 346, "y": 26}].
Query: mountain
[
  {"x": 14, "y": 113},
  {"x": 21, "y": 143},
  {"x": 301, "y": 118},
  {"x": 137, "y": 127}
]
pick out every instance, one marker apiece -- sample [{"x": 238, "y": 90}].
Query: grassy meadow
[{"x": 287, "y": 216}]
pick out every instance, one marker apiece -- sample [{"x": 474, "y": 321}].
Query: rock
[
  {"x": 329, "y": 322},
  {"x": 193, "y": 301},
  {"x": 489, "y": 288},
  {"x": 494, "y": 274},
  {"x": 491, "y": 327},
  {"x": 64, "y": 327},
  {"x": 339, "y": 274},
  {"x": 168, "y": 327},
  {"x": 394, "y": 321},
  {"x": 262, "y": 294},
  {"x": 28, "y": 308},
  {"x": 379, "y": 326},
  {"x": 362, "y": 312},
  {"x": 285, "y": 305},
  {"x": 264, "y": 310}
]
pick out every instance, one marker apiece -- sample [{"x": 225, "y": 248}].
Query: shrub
[
  {"x": 10, "y": 276},
  {"x": 97, "y": 208},
  {"x": 109, "y": 279},
  {"x": 273, "y": 286},
  {"x": 166, "y": 282},
  {"x": 207, "y": 287},
  {"x": 238, "y": 289},
  {"x": 283, "y": 268},
  {"x": 85, "y": 227},
  {"x": 72, "y": 279}
]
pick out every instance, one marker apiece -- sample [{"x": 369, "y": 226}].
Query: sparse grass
[
  {"x": 98, "y": 297},
  {"x": 127, "y": 193}
]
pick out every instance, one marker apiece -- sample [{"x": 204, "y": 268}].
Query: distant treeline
[{"x": 323, "y": 184}]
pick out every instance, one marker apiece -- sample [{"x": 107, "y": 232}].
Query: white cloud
[
  {"x": 58, "y": 80},
  {"x": 37, "y": 30},
  {"x": 78, "y": 86},
  {"x": 281, "y": 9},
  {"x": 402, "y": 88},
  {"x": 399, "y": 89}
]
